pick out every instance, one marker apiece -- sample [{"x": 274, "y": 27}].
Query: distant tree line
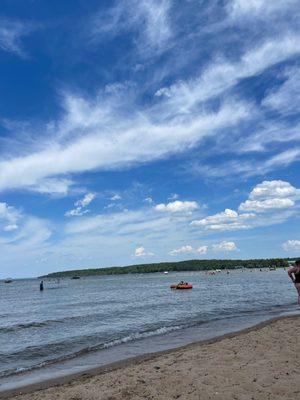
[{"x": 189, "y": 265}]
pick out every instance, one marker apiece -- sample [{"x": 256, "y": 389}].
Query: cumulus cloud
[
  {"x": 225, "y": 221},
  {"x": 291, "y": 245},
  {"x": 80, "y": 206},
  {"x": 142, "y": 252},
  {"x": 225, "y": 246},
  {"x": 187, "y": 249},
  {"x": 271, "y": 189},
  {"x": 266, "y": 204},
  {"x": 177, "y": 206},
  {"x": 184, "y": 249},
  {"x": 202, "y": 249},
  {"x": 10, "y": 227},
  {"x": 271, "y": 195}
]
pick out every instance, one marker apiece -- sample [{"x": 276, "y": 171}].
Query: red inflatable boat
[{"x": 182, "y": 286}]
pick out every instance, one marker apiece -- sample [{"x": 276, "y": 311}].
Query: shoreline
[{"x": 138, "y": 360}]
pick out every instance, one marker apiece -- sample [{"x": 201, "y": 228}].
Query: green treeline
[{"x": 190, "y": 265}]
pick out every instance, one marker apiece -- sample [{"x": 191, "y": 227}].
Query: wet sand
[{"x": 259, "y": 363}]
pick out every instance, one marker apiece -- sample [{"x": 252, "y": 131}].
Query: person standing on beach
[{"x": 294, "y": 274}]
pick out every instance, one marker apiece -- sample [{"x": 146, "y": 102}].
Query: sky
[{"x": 140, "y": 131}]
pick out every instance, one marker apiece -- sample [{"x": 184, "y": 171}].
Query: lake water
[{"x": 74, "y": 319}]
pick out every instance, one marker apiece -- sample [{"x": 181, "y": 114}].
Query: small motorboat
[
  {"x": 8, "y": 280},
  {"x": 76, "y": 277},
  {"x": 182, "y": 286}
]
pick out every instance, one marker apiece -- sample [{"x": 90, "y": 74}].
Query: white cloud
[
  {"x": 266, "y": 205},
  {"x": 148, "y": 200},
  {"x": 87, "y": 199},
  {"x": 142, "y": 252},
  {"x": 258, "y": 8},
  {"x": 273, "y": 189},
  {"x": 271, "y": 195},
  {"x": 202, "y": 249},
  {"x": 269, "y": 202},
  {"x": 112, "y": 130},
  {"x": 187, "y": 249},
  {"x": 223, "y": 75},
  {"x": 80, "y": 206},
  {"x": 182, "y": 250},
  {"x": 286, "y": 98},
  {"x": 121, "y": 147},
  {"x": 10, "y": 227},
  {"x": 291, "y": 245},
  {"x": 225, "y": 221},
  {"x": 177, "y": 206},
  {"x": 116, "y": 197},
  {"x": 148, "y": 19},
  {"x": 173, "y": 196},
  {"x": 225, "y": 246},
  {"x": 241, "y": 168},
  {"x": 53, "y": 186},
  {"x": 9, "y": 217},
  {"x": 11, "y": 33}
]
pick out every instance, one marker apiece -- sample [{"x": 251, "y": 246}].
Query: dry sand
[{"x": 261, "y": 363}]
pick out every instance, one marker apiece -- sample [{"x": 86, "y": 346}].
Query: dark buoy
[{"x": 42, "y": 286}]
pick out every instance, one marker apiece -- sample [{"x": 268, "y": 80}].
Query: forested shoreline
[{"x": 189, "y": 265}]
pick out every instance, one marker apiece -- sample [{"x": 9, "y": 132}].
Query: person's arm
[{"x": 291, "y": 272}]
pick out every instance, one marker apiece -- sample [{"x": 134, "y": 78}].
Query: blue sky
[{"x": 138, "y": 131}]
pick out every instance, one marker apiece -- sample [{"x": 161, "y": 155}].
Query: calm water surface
[{"x": 75, "y": 317}]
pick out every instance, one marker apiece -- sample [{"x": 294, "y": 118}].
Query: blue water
[{"x": 75, "y": 317}]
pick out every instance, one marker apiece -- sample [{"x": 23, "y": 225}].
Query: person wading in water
[{"x": 294, "y": 274}]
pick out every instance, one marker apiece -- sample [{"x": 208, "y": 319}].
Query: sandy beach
[{"x": 259, "y": 363}]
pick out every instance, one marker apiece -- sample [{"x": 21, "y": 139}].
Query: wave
[
  {"x": 32, "y": 351},
  {"x": 68, "y": 347},
  {"x": 28, "y": 325},
  {"x": 86, "y": 318}
]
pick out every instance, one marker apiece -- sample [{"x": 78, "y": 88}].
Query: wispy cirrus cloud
[
  {"x": 9, "y": 217},
  {"x": 258, "y": 8},
  {"x": 149, "y": 20},
  {"x": 97, "y": 150},
  {"x": 11, "y": 34},
  {"x": 177, "y": 120}
]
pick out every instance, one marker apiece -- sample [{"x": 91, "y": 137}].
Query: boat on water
[
  {"x": 76, "y": 277},
  {"x": 182, "y": 286},
  {"x": 8, "y": 280},
  {"x": 166, "y": 272}
]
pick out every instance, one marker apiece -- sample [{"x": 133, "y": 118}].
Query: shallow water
[{"x": 80, "y": 317}]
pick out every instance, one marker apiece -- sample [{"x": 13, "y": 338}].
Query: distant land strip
[{"x": 189, "y": 265}]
